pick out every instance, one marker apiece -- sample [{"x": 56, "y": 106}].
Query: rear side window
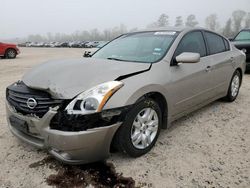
[
  {"x": 215, "y": 43},
  {"x": 227, "y": 45},
  {"x": 192, "y": 42}
]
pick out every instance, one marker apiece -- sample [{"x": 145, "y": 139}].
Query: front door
[{"x": 191, "y": 83}]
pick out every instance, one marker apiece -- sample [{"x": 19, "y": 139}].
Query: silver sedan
[{"x": 124, "y": 94}]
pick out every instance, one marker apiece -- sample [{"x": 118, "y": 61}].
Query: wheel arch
[
  {"x": 241, "y": 73},
  {"x": 9, "y": 48},
  {"x": 159, "y": 98},
  {"x": 161, "y": 101}
]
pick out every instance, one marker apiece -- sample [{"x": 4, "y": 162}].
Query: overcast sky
[{"x": 20, "y": 18}]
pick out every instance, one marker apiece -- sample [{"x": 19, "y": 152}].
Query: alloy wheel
[
  {"x": 11, "y": 54},
  {"x": 144, "y": 128},
  {"x": 235, "y": 85}
]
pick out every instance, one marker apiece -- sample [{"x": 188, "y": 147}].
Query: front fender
[{"x": 129, "y": 95}]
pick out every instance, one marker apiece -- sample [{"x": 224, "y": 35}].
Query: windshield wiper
[{"x": 116, "y": 59}]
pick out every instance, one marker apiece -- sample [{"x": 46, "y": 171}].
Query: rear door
[
  {"x": 222, "y": 62},
  {"x": 190, "y": 84}
]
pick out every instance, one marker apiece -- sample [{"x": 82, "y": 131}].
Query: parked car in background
[
  {"x": 47, "y": 44},
  {"x": 91, "y": 51},
  {"x": 33, "y": 44},
  {"x": 242, "y": 42},
  {"x": 50, "y": 44},
  {"x": 9, "y": 51},
  {"x": 83, "y": 44},
  {"x": 24, "y": 44},
  {"x": 40, "y": 44},
  {"x": 72, "y": 44},
  {"x": 102, "y": 43},
  {"x": 91, "y": 44},
  {"x": 76, "y": 44},
  {"x": 64, "y": 44},
  {"x": 124, "y": 94}
]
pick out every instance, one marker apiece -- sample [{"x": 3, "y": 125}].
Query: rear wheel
[
  {"x": 138, "y": 134},
  {"x": 234, "y": 87},
  {"x": 10, "y": 54}
]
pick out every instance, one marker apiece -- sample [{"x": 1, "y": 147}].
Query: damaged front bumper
[{"x": 72, "y": 147}]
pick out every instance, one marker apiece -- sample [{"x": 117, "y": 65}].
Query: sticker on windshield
[
  {"x": 157, "y": 53},
  {"x": 165, "y": 33},
  {"x": 157, "y": 49}
]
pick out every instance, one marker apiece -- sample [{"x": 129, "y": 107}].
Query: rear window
[
  {"x": 215, "y": 43},
  {"x": 243, "y": 35}
]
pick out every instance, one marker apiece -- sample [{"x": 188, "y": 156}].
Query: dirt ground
[{"x": 208, "y": 148}]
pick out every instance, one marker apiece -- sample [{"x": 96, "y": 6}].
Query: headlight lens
[{"x": 94, "y": 99}]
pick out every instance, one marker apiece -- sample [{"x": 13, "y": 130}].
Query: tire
[
  {"x": 234, "y": 87},
  {"x": 10, "y": 54},
  {"x": 123, "y": 139}
]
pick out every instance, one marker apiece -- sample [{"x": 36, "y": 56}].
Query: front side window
[
  {"x": 192, "y": 42},
  {"x": 215, "y": 43},
  {"x": 144, "y": 47},
  {"x": 243, "y": 35}
]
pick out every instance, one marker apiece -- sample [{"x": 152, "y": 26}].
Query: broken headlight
[{"x": 94, "y": 99}]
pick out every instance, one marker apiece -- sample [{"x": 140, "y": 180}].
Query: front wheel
[
  {"x": 234, "y": 87},
  {"x": 138, "y": 134},
  {"x": 10, "y": 54}
]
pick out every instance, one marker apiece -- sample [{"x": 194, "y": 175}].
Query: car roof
[
  {"x": 177, "y": 29},
  {"x": 245, "y": 29}
]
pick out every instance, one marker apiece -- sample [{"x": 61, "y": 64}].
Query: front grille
[{"x": 18, "y": 94}]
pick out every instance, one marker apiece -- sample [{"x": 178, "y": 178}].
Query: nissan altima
[{"x": 124, "y": 94}]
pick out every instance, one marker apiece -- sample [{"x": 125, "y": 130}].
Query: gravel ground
[{"x": 208, "y": 148}]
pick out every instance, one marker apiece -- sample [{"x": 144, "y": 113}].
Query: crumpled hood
[{"x": 65, "y": 79}]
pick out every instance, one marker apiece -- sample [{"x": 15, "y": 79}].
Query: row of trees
[
  {"x": 239, "y": 19},
  {"x": 163, "y": 21},
  {"x": 91, "y": 35}
]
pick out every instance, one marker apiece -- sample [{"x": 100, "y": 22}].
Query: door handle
[
  {"x": 208, "y": 69},
  {"x": 231, "y": 58}
]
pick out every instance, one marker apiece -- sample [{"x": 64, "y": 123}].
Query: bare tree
[
  {"x": 178, "y": 21},
  {"x": 238, "y": 17},
  {"x": 227, "y": 30},
  {"x": 95, "y": 34},
  {"x": 49, "y": 36},
  {"x": 212, "y": 23},
  {"x": 163, "y": 20},
  {"x": 247, "y": 21},
  {"x": 191, "y": 21},
  {"x": 133, "y": 29},
  {"x": 35, "y": 38},
  {"x": 107, "y": 34}
]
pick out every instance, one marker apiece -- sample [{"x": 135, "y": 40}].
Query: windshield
[
  {"x": 243, "y": 35},
  {"x": 146, "y": 47}
]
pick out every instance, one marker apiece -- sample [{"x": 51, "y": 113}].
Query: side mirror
[
  {"x": 188, "y": 57},
  {"x": 244, "y": 50},
  {"x": 231, "y": 39},
  {"x": 87, "y": 54}
]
